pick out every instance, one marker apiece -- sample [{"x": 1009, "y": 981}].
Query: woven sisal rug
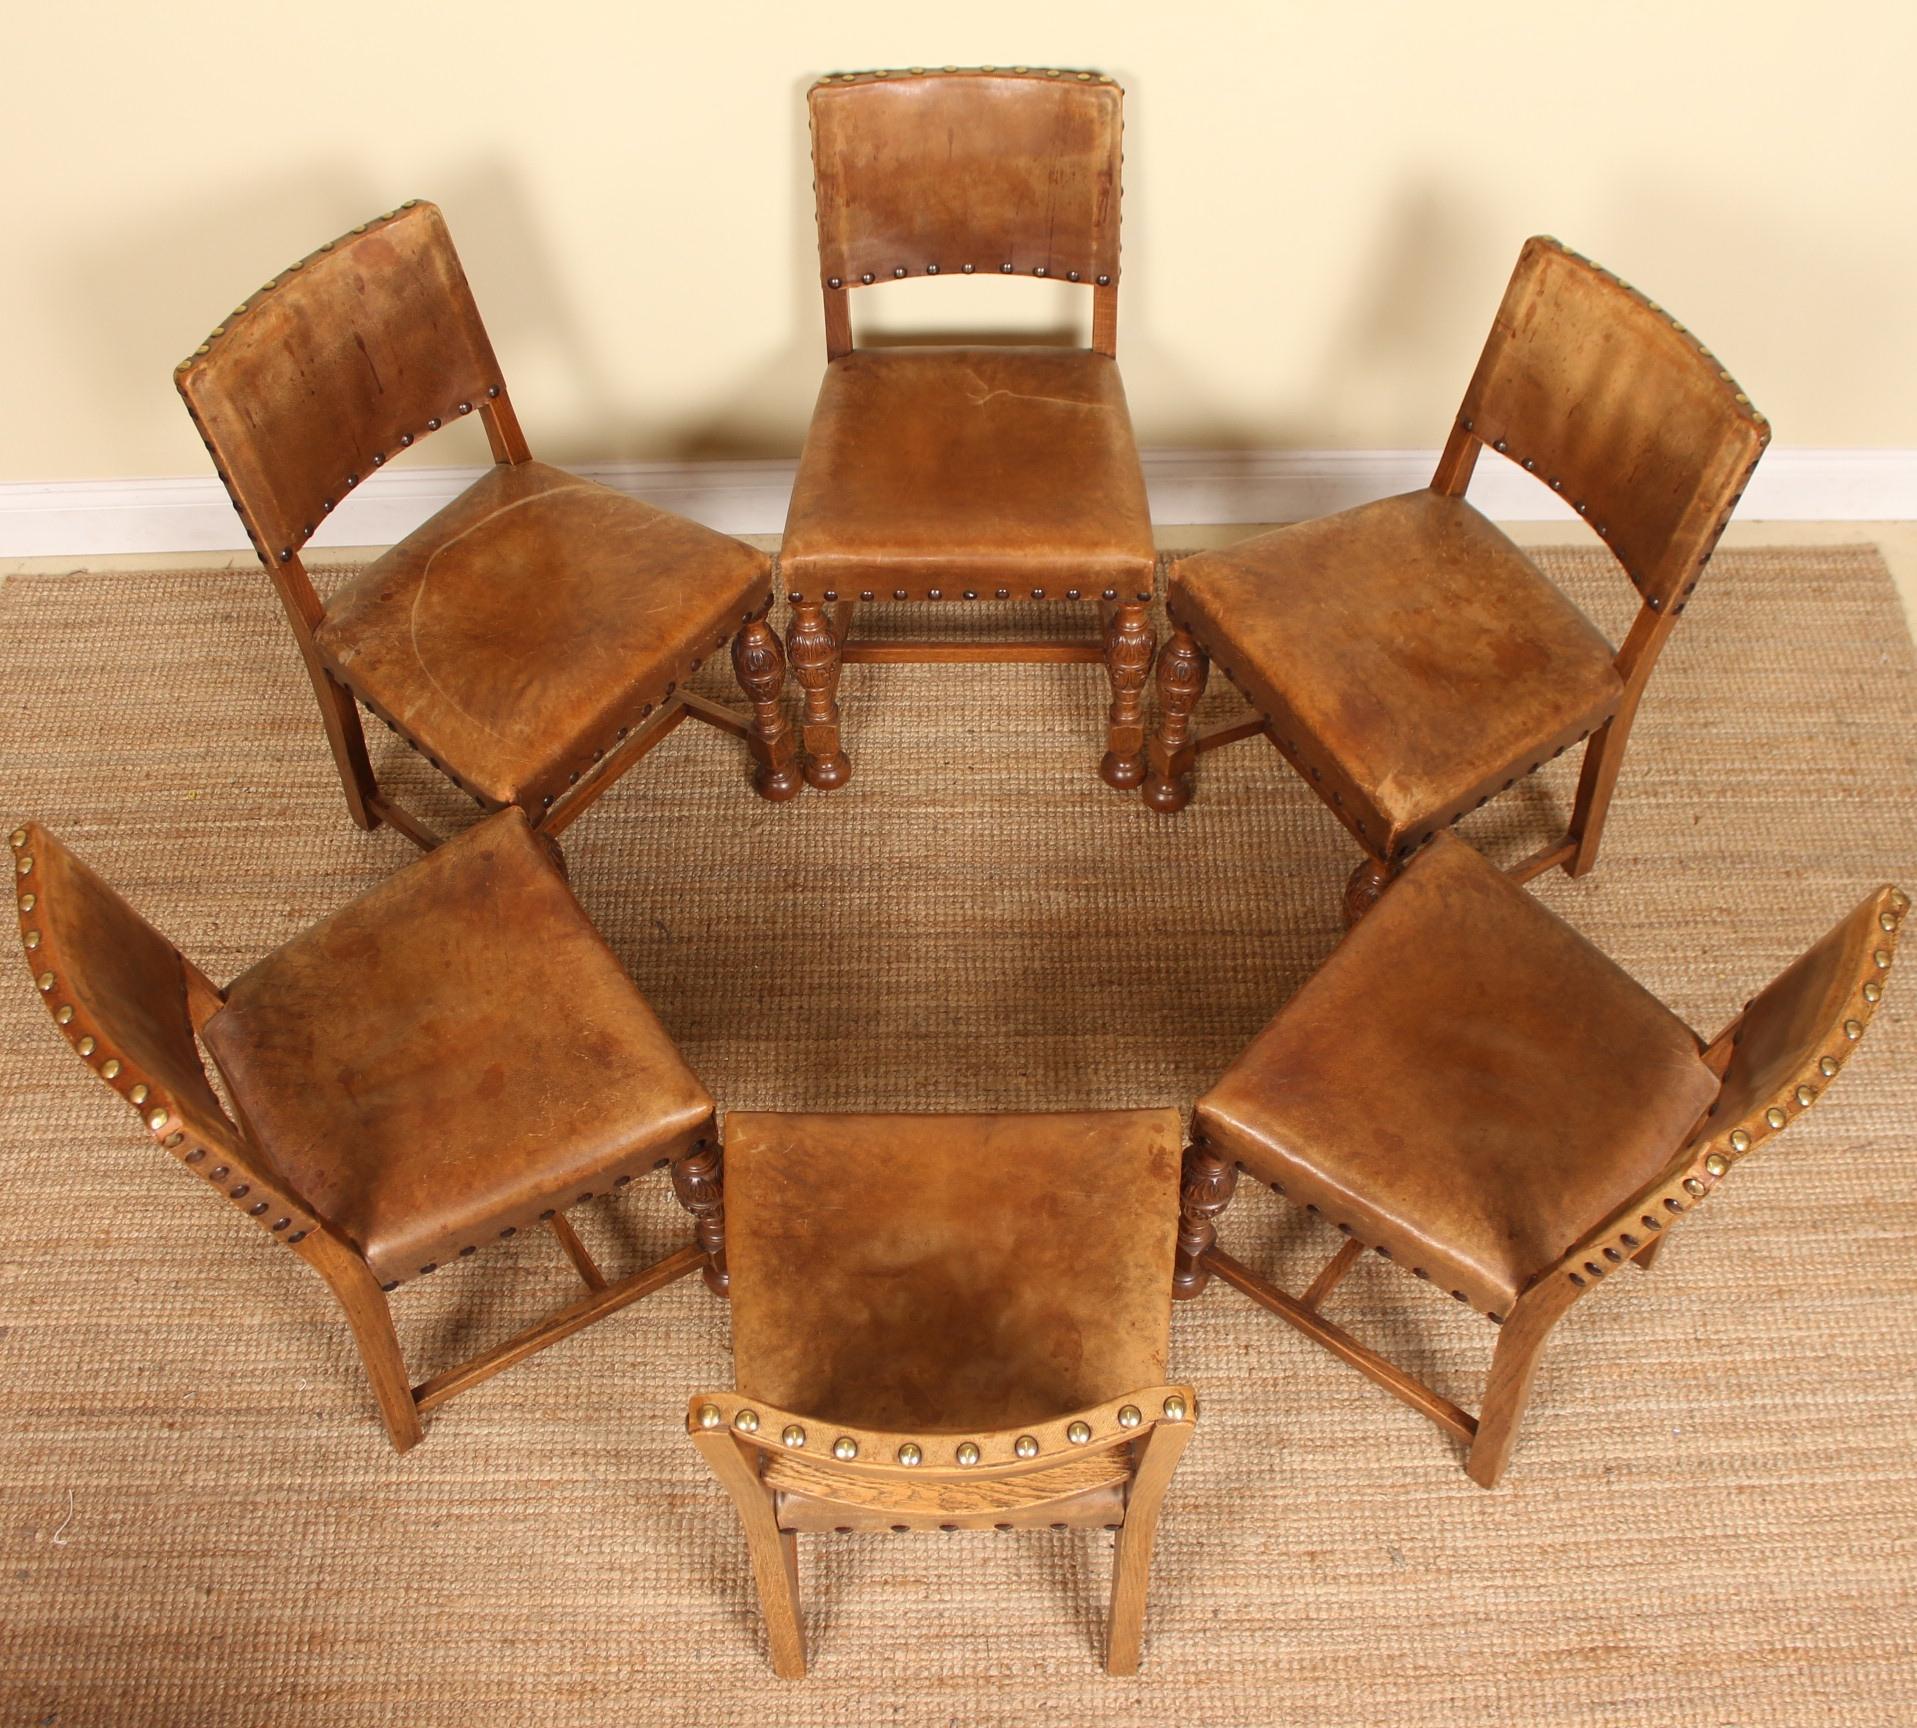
[{"x": 1711, "y": 1517}]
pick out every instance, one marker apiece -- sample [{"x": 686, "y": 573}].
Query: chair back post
[
  {"x": 967, "y": 171},
  {"x": 356, "y": 353},
  {"x": 130, "y": 1004}
]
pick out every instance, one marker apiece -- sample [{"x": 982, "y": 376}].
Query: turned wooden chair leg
[
  {"x": 1365, "y": 887},
  {"x": 812, "y": 646},
  {"x": 759, "y": 665},
  {"x": 1597, "y": 779},
  {"x": 371, "y": 1320},
  {"x": 698, "y": 1182},
  {"x": 1183, "y": 668},
  {"x": 1206, "y": 1185},
  {"x": 1508, "y": 1389},
  {"x": 774, "y": 1552},
  {"x": 1132, "y": 1558},
  {"x": 1129, "y": 647}
]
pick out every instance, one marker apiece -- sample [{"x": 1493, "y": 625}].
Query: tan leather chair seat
[
  {"x": 453, "y": 1056},
  {"x": 1466, "y": 1084},
  {"x": 949, "y": 1273},
  {"x": 1411, "y": 659},
  {"x": 969, "y": 469},
  {"x": 531, "y": 624}
]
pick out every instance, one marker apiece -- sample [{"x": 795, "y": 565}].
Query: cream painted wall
[{"x": 1322, "y": 202}]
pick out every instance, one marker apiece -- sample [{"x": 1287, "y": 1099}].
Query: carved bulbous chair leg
[
  {"x": 698, "y": 1183},
  {"x": 813, "y": 648},
  {"x": 759, "y": 665},
  {"x": 1365, "y": 887},
  {"x": 1183, "y": 668},
  {"x": 1129, "y": 646},
  {"x": 1206, "y": 1185}
]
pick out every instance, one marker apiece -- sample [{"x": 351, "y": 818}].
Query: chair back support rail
[
  {"x": 1003, "y": 171},
  {"x": 131, "y": 1005},
  {"x": 1106, "y": 1466}
]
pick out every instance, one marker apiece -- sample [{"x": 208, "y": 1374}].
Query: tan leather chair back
[
  {"x": 1616, "y": 406},
  {"x": 121, "y": 994},
  {"x": 1002, "y": 172},
  {"x": 335, "y": 366}
]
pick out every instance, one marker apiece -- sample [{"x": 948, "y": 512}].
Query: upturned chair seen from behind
[
  {"x": 534, "y": 638},
  {"x": 1471, "y": 1089},
  {"x": 410, "y": 1078},
  {"x": 1405, "y": 657}
]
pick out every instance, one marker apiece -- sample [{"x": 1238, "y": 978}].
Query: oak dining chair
[
  {"x": 451, "y": 1059},
  {"x": 948, "y": 1323},
  {"x": 533, "y": 639},
  {"x": 968, "y": 473},
  {"x": 1405, "y": 657},
  {"x": 1473, "y": 1091}
]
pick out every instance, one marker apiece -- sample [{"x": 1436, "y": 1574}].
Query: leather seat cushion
[
  {"x": 452, "y": 1055},
  {"x": 1412, "y": 660},
  {"x": 944, "y": 1273},
  {"x": 1466, "y": 1083},
  {"x": 532, "y": 623},
  {"x": 979, "y": 468}
]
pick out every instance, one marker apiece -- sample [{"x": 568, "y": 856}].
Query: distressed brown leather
[
  {"x": 919, "y": 1273},
  {"x": 336, "y": 365},
  {"x": 1616, "y": 406},
  {"x": 1466, "y": 1084},
  {"x": 126, "y": 984},
  {"x": 969, "y": 469},
  {"x": 967, "y": 168},
  {"x": 532, "y": 623},
  {"x": 1801, "y": 1014},
  {"x": 453, "y": 1056},
  {"x": 1412, "y": 660}
]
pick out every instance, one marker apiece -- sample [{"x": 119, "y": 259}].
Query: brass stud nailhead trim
[
  {"x": 710, "y": 1416},
  {"x": 1129, "y": 1417},
  {"x": 1175, "y": 1408},
  {"x": 967, "y": 1454},
  {"x": 909, "y": 1454},
  {"x": 1717, "y": 1163},
  {"x": 747, "y": 1421},
  {"x": 1775, "y": 1117},
  {"x": 1026, "y": 1447},
  {"x": 1740, "y": 1141},
  {"x": 794, "y": 1436},
  {"x": 845, "y": 1448}
]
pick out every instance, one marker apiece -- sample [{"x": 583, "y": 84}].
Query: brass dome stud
[
  {"x": 793, "y": 1436},
  {"x": 968, "y": 1453},
  {"x": 1775, "y": 1117},
  {"x": 1853, "y": 1030},
  {"x": 1717, "y": 1163},
  {"x": 1079, "y": 1433},
  {"x": 138, "y": 1094},
  {"x": 27, "y": 902},
  {"x": 909, "y": 1454},
  {"x": 845, "y": 1448},
  {"x": 1027, "y": 1447},
  {"x": 63, "y": 1015},
  {"x": 1804, "y": 1096},
  {"x": 44, "y": 982},
  {"x": 1693, "y": 1187},
  {"x": 747, "y": 1421},
  {"x": 156, "y": 1120},
  {"x": 111, "y": 1067},
  {"x": 1882, "y": 958},
  {"x": 1827, "y": 1066},
  {"x": 32, "y": 940},
  {"x": 86, "y": 1046},
  {"x": 1873, "y": 992},
  {"x": 1129, "y": 1416},
  {"x": 1885, "y": 921},
  {"x": 711, "y": 1416},
  {"x": 1740, "y": 1141},
  {"x": 1175, "y": 1408},
  {"x": 19, "y": 838}
]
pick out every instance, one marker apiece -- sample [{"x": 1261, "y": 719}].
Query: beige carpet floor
[{"x": 1710, "y": 1519}]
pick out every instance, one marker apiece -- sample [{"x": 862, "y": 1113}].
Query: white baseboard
[{"x": 100, "y": 517}]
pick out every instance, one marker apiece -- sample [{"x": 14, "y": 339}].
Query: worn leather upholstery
[
  {"x": 1412, "y": 661},
  {"x": 921, "y": 1273},
  {"x": 1467, "y": 1084},
  {"x": 453, "y": 1056},
  {"x": 524, "y": 630},
  {"x": 969, "y": 470},
  {"x": 966, "y": 168}
]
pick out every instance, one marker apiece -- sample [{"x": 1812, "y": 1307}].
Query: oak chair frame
[
  {"x": 1104, "y": 1467},
  {"x": 148, "y": 1054},
  {"x": 475, "y": 384},
  {"x": 818, "y": 637},
  {"x": 1635, "y": 1231},
  {"x": 1496, "y": 415}
]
